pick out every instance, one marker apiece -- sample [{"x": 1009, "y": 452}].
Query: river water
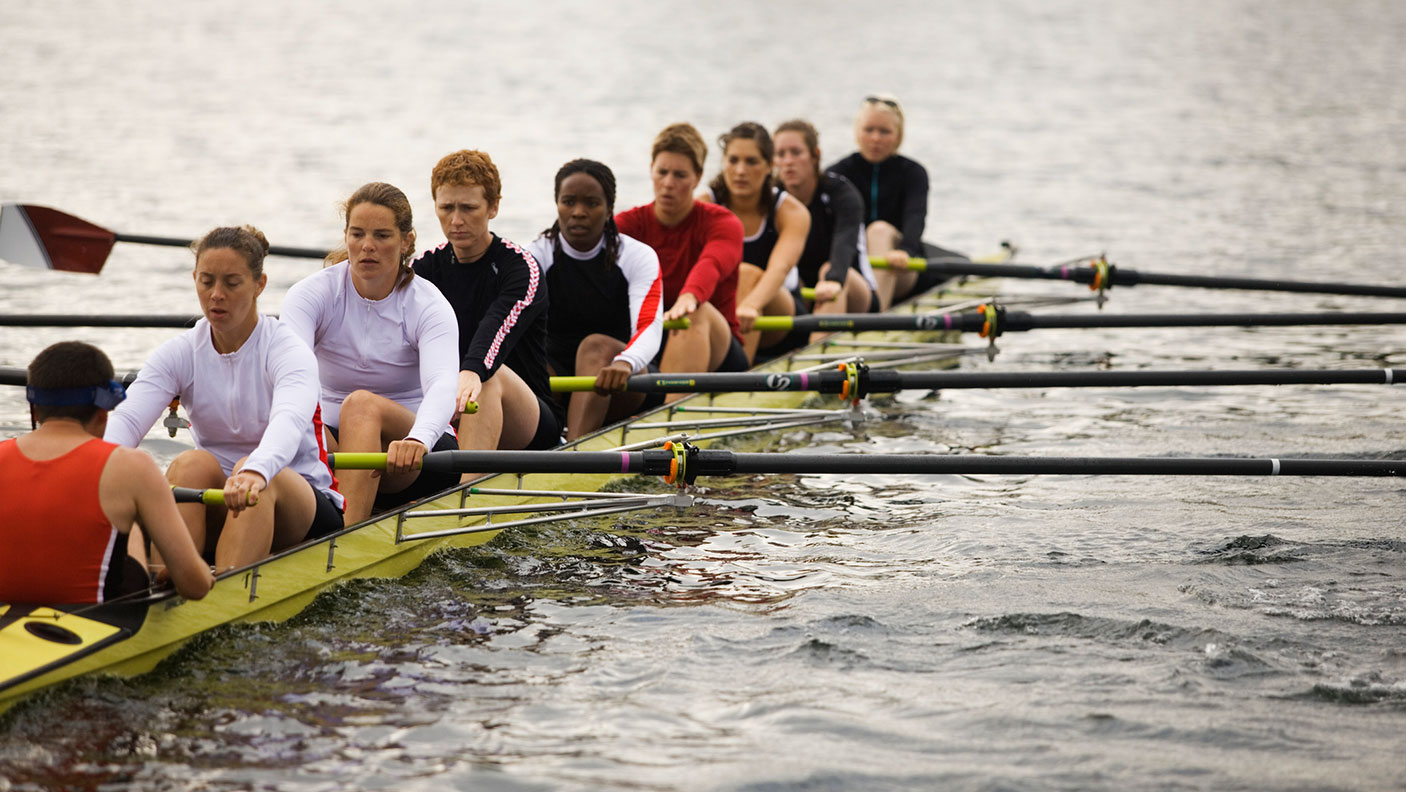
[{"x": 824, "y": 632}]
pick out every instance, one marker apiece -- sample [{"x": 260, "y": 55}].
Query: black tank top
[{"x": 592, "y": 297}]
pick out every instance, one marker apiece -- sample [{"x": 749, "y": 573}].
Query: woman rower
[
  {"x": 895, "y": 194},
  {"x": 500, "y": 302},
  {"x": 608, "y": 317},
  {"x": 387, "y": 350},
  {"x": 699, "y": 247},
  {"x": 834, "y": 261},
  {"x": 774, "y": 227},
  {"x": 250, "y": 387}
]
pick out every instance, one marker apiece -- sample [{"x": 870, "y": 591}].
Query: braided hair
[
  {"x": 603, "y": 176},
  {"x": 748, "y": 130}
]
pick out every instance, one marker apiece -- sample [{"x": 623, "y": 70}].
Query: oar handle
[
  {"x": 355, "y": 460},
  {"x": 209, "y": 497},
  {"x": 573, "y": 384},
  {"x": 471, "y": 408},
  {"x": 681, "y": 323},
  {"x": 917, "y": 264}
]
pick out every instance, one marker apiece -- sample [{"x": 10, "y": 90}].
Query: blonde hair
[{"x": 884, "y": 102}]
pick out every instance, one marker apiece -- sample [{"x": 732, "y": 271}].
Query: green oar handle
[
  {"x": 879, "y": 262},
  {"x": 209, "y": 497},
  {"x": 681, "y": 323},
  {"x": 471, "y": 408},
  {"x": 573, "y": 384},
  {"x": 353, "y": 460}
]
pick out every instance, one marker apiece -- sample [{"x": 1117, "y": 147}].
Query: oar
[
  {"x": 155, "y": 320},
  {"x": 863, "y": 380},
  {"x": 1101, "y": 275},
  {"x": 684, "y": 463},
  {"x": 14, "y": 375},
  {"x": 209, "y": 497},
  {"x": 37, "y": 236},
  {"x": 1017, "y": 321}
]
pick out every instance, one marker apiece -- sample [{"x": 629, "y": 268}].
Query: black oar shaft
[
  {"x": 1133, "y": 278},
  {"x": 710, "y": 462},
  {"x": 888, "y": 381},
  {"x": 14, "y": 375},
  {"x": 98, "y": 320},
  {"x": 276, "y": 250},
  {"x": 1130, "y": 277},
  {"x": 1020, "y": 321}
]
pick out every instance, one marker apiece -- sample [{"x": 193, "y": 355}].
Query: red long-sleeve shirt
[{"x": 700, "y": 255}]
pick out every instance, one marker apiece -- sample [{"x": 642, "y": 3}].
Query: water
[{"x": 828, "y": 632}]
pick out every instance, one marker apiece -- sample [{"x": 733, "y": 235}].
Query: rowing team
[{"x": 379, "y": 353}]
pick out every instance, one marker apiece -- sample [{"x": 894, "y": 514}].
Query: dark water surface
[{"x": 824, "y": 632}]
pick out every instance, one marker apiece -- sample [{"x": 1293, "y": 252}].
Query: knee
[
  {"x": 359, "y": 405},
  {"x": 596, "y": 350},
  {"x": 747, "y": 277},
  {"x": 195, "y": 468}
]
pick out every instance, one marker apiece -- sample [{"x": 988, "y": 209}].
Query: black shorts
[
  {"x": 548, "y": 434},
  {"x": 327, "y": 519},
  {"x": 736, "y": 358}
]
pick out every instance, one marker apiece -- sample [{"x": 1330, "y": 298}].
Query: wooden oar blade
[{"x": 37, "y": 236}]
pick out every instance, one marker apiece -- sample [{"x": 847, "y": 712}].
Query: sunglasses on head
[{"x": 882, "y": 101}]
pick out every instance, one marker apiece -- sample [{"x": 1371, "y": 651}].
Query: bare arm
[
  {"x": 792, "y": 226},
  {"x": 133, "y": 488}
]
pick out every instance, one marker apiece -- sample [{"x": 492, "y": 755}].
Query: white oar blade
[{"x": 37, "y": 236}]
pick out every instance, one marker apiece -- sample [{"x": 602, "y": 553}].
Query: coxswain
[
  {"x": 70, "y": 501},
  {"x": 608, "y": 318},
  {"x": 386, "y": 346},
  {"x": 894, "y": 189},
  {"x": 774, "y": 227},
  {"x": 834, "y": 261},
  {"x": 699, "y": 247},
  {"x": 500, "y": 299},
  {"x": 249, "y": 386}
]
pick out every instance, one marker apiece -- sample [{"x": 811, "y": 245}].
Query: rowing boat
[{"x": 41, "y": 646}]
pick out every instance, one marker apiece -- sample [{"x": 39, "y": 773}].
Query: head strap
[{"x": 105, "y": 397}]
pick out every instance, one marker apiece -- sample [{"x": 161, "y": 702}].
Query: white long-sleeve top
[
  {"x": 404, "y": 347},
  {"x": 640, "y": 265},
  {"x": 260, "y": 401}
]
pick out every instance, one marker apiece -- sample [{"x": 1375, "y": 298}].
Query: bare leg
[
  {"x": 700, "y": 348},
  {"x": 882, "y": 239},
  {"x": 368, "y": 424},
  {"x": 199, "y": 470},
  {"x": 779, "y": 304},
  {"x": 587, "y": 411},
  {"x": 280, "y": 519}
]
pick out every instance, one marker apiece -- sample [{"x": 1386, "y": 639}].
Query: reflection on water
[{"x": 967, "y": 632}]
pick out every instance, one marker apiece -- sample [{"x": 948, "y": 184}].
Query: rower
[
  {"x": 69, "y": 501},
  {"x": 774, "y": 227},
  {"x": 895, "y": 194},
  {"x": 699, "y": 247},
  {"x": 250, "y": 387},
  {"x": 387, "y": 352},
  {"x": 608, "y": 318},
  {"x": 835, "y": 261},
  {"x": 500, "y": 300}
]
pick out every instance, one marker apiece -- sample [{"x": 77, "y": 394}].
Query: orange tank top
[{"x": 56, "y": 545}]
